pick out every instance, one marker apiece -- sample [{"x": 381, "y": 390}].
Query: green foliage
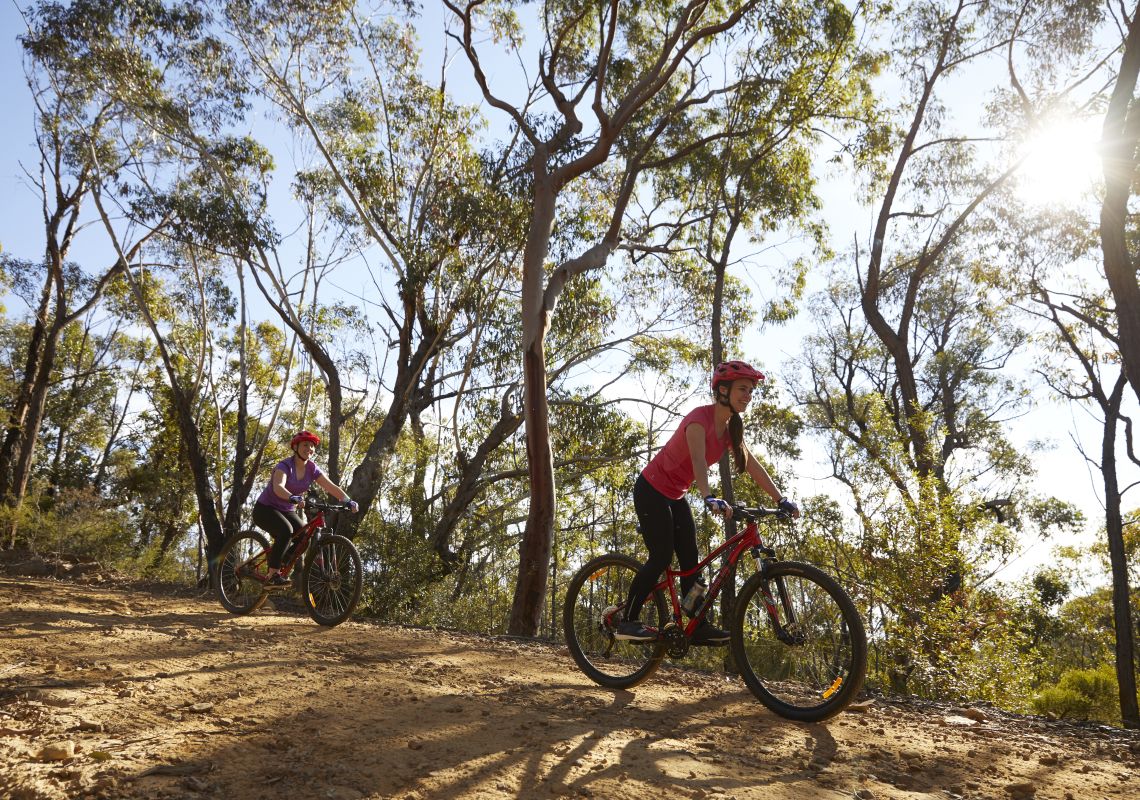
[
  {"x": 72, "y": 525},
  {"x": 1063, "y": 703},
  {"x": 1082, "y": 694}
]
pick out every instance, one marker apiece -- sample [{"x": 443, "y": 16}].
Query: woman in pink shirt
[
  {"x": 275, "y": 511},
  {"x": 666, "y": 521}
]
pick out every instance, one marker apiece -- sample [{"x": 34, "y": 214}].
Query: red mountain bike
[
  {"x": 797, "y": 638},
  {"x": 331, "y": 577}
]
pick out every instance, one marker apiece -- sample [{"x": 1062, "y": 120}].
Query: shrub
[
  {"x": 71, "y": 525},
  {"x": 1085, "y": 694},
  {"x": 1063, "y": 703}
]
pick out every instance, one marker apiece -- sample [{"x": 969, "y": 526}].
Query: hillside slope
[{"x": 119, "y": 693}]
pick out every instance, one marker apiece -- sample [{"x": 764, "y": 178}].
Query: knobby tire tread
[
  {"x": 311, "y": 564},
  {"x": 216, "y": 579},
  {"x": 852, "y": 684},
  {"x": 583, "y": 661}
]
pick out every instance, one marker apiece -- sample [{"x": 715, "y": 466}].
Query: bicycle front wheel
[
  {"x": 332, "y": 579},
  {"x": 239, "y": 578},
  {"x": 595, "y": 603},
  {"x": 799, "y": 642}
]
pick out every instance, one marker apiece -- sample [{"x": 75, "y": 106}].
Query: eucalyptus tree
[
  {"x": 1120, "y": 152},
  {"x": 1082, "y": 363},
  {"x": 67, "y": 290},
  {"x": 908, "y": 378},
  {"x": 396, "y": 164},
  {"x": 1082, "y": 330},
  {"x": 653, "y": 79},
  {"x": 148, "y": 68},
  {"x": 926, "y": 200}
]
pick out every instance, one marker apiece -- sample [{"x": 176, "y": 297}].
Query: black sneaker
[
  {"x": 634, "y": 630},
  {"x": 278, "y": 581},
  {"x": 710, "y": 635}
]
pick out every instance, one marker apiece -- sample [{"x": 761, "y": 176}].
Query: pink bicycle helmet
[
  {"x": 728, "y": 371},
  {"x": 305, "y": 436}
]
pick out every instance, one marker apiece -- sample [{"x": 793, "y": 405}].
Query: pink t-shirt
[{"x": 671, "y": 470}]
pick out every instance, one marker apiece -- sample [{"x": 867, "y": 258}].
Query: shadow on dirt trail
[{"x": 146, "y": 696}]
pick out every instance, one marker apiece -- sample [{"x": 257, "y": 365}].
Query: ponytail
[{"x": 736, "y": 440}]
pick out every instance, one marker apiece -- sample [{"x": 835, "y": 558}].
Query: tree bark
[
  {"x": 19, "y": 413},
  {"x": 728, "y": 591},
  {"x": 538, "y": 537},
  {"x": 241, "y": 483},
  {"x": 1120, "y": 137},
  {"x": 1118, "y": 558}
]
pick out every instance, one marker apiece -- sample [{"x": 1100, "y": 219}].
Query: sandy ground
[{"x": 123, "y": 693}]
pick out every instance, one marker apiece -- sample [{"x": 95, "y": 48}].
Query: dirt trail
[{"x": 112, "y": 693}]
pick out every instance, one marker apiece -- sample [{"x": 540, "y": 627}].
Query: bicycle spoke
[
  {"x": 801, "y": 643},
  {"x": 240, "y": 573},
  {"x": 333, "y": 581},
  {"x": 594, "y": 604}
]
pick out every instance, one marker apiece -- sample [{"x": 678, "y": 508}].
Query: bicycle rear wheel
[
  {"x": 332, "y": 579},
  {"x": 595, "y": 602},
  {"x": 239, "y": 578},
  {"x": 808, "y": 661}
]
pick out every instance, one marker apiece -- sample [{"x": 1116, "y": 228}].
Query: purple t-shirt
[{"x": 294, "y": 483}]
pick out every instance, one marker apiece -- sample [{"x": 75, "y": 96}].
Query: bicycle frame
[
  {"x": 301, "y": 539},
  {"x": 748, "y": 539}
]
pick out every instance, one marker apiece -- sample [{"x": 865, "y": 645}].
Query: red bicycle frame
[
  {"x": 747, "y": 539},
  {"x": 299, "y": 542}
]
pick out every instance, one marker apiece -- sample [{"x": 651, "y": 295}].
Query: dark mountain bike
[
  {"x": 332, "y": 573},
  {"x": 797, "y": 638}
]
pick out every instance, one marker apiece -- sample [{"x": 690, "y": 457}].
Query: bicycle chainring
[{"x": 676, "y": 645}]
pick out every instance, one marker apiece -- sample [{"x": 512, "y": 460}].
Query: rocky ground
[{"x": 116, "y": 691}]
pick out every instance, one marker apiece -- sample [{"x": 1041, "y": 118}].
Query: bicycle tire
[
  {"x": 820, "y": 671},
  {"x": 600, "y": 585},
  {"x": 332, "y": 579},
  {"x": 239, "y": 578}
]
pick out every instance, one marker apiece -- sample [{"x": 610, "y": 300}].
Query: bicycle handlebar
[
  {"x": 320, "y": 505},
  {"x": 752, "y": 514}
]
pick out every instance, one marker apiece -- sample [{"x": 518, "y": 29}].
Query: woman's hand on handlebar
[
  {"x": 789, "y": 507},
  {"x": 717, "y": 506}
]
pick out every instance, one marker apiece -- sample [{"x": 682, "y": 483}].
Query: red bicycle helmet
[
  {"x": 728, "y": 371},
  {"x": 305, "y": 436}
]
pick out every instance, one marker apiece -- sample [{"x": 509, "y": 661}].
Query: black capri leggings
[
  {"x": 667, "y": 527},
  {"x": 280, "y": 525}
]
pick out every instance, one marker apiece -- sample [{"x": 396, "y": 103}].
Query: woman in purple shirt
[
  {"x": 664, "y": 515},
  {"x": 276, "y": 509}
]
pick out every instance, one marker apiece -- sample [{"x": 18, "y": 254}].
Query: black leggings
[
  {"x": 280, "y": 525},
  {"x": 667, "y": 527}
]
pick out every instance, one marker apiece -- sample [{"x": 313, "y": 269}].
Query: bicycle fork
[{"x": 784, "y": 624}]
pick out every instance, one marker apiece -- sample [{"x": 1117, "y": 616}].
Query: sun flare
[{"x": 1062, "y": 164}]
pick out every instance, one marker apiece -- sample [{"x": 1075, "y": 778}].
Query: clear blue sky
[{"x": 20, "y": 213}]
